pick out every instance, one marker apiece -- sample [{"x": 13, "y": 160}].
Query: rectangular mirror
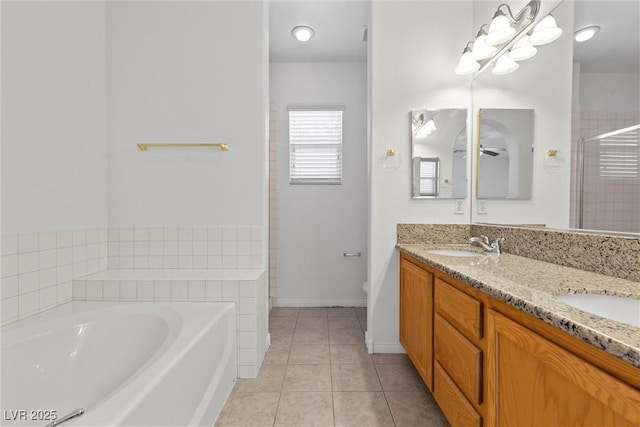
[
  {"x": 505, "y": 148},
  {"x": 439, "y": 152},
  {"x": 580, "y": 91}
]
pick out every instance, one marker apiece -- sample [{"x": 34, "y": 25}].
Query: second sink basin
[
  {"x": 455, "y": 252},
  {"x": 625, "y": 310}
]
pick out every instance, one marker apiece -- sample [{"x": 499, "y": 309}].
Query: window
[
  {"x": 315, "y": 145},
  {"x": 428, "y": 171},
  {"x": 620, "y": 156}
]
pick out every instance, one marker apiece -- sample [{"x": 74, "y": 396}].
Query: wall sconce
[
  {"x": 507, "y": 34},
  {"x": 553, "y": 160},
  {"x": 391, "y": 159}
]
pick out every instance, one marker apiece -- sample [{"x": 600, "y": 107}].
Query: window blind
[
  {"x": 315, "y": 146},
  {"x": 429, "y": 176},
  {"x": 619, "y": 156}
]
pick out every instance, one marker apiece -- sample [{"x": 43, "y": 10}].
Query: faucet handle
[
  {"x": 497, "y": 243},
  {"x": 484, "y": 239}
]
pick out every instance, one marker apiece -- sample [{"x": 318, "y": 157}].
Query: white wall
[
  {"x": 187, "y": 72},
  {"x": 609, "y": 91},
  {"x": 414, "y": 48},
  {"x": 54, "y": 163},
  {"x": 543, "y": 83},
  {"x": 317, "y": 223}
]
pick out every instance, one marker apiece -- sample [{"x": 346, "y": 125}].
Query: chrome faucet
[{"x": 486, "y": 245}]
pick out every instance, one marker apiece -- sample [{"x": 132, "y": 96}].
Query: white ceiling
[
  {"x": 338, "y": 26},
  {"x": 616, "y": 48}
]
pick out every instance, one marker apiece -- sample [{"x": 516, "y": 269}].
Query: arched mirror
[{"x": 505, "y": 154}]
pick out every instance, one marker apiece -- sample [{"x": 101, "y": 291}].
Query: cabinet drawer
[
  {"x": 455, "y": 407},
  {"x": 466, "y": 311},
  {"x": 460, "y": 358}
]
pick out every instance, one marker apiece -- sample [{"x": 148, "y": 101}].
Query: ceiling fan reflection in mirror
[{"x": 490, "y": 151}]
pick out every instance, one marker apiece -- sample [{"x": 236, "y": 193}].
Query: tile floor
[{"x": 317, "y": 372}]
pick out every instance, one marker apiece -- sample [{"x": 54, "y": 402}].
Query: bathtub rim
[{"x": 114, "y": 406}]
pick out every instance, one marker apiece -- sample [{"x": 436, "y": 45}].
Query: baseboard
[
  {"x": 286, "y": 302},
  {"x": 385, "y": 347}
]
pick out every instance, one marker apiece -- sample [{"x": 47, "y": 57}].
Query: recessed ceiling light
[
  {"x": 584, "y": 34},
  {"x": 303, "y": 33}
]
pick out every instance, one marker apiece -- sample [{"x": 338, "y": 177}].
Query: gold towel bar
[{"x": 144, "y": 146}]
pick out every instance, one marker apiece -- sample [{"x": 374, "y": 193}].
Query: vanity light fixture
[
  {"x": 507, "y": 34},
  {"x": 421, "y": 127},
  {"x": 586, "y": 33},
  {"x": 303, "y": 33},
  {"x": 467, "y": 63},
  {"x": 545, "y": 31}
]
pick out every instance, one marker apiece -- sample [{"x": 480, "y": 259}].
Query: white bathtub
[{"x": 125, "y": 364}]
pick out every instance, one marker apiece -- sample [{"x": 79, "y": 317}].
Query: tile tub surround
[
  {"x": 530, "y": 286},
  {"x": 610, "y": 255},
  {"x": 247, "y": 288},
  {"x": 186, "y": 247},
  {"x": 317, "y": 372},
  {"x": 38, "y": 268}
]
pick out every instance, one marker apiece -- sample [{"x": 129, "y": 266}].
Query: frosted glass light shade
[
  {"x": 303, "y": 33},
  {"x": 584, "y": 34},
  {"x": 482, "y": 49},
  {"x": 467, "y": 64},
  {"x": 522, "y": 50},
  {"x": 545, "y": 31},
  {"x": 500, "y": 30},
  {"x": 505, "y": 65},
  {"x": 430, "y": 126}
]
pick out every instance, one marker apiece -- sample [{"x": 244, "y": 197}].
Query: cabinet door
[
  {"x": 533, "y": 382},
  {"x": 416, "y": 318}
]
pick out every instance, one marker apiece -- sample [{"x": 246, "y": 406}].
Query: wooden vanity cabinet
[
  {"x": 533, "y": 382},
  {"x": 416, "y": 316},
  {"x": 458, "y": 353},
  {"x": 490, "y": 364}
]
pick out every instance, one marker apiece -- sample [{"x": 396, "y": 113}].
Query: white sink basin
[
  {"x": 455, "y": 252},
  {"x": 625, "y": 310}
]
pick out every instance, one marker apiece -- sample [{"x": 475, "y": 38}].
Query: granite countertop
[{"x": 531, "y": 285}]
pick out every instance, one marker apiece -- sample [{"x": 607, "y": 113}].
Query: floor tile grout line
[
  {"x": 384, "y": 393},
  {"x": 275, "y": 416}
]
